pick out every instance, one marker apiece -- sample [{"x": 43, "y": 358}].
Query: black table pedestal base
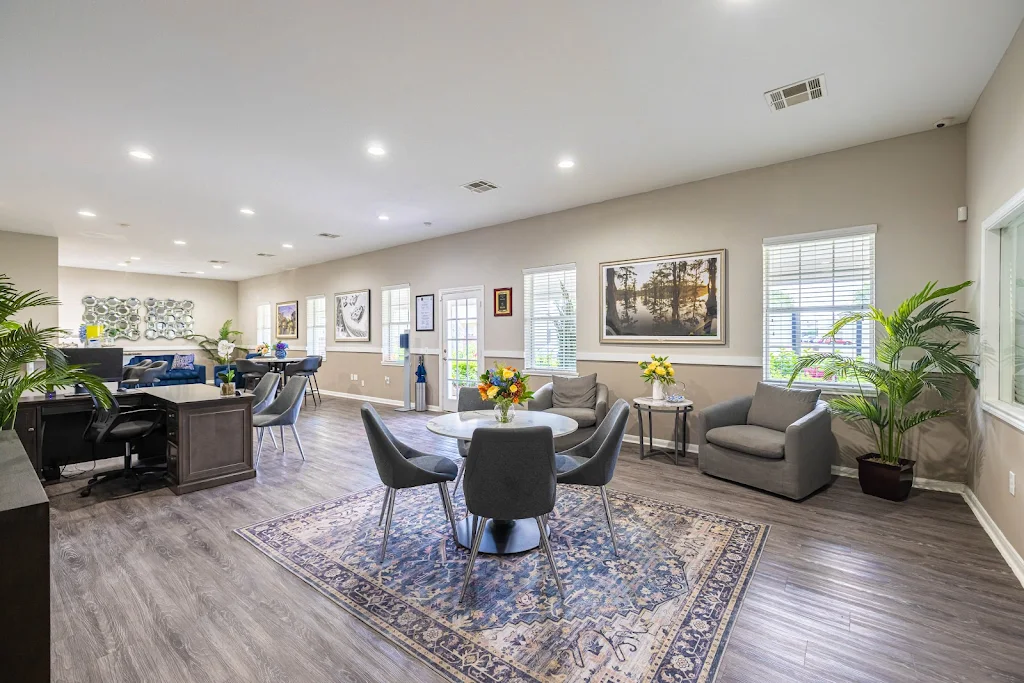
[{"x": 501, "y": 537}]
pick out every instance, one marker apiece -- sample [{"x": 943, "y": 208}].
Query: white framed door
[{"x": 462, "y": 342}]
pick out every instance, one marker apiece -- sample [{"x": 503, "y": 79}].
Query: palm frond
[
  {"x": 907, "y": 423},
  {"x": 854, "y": 408}
]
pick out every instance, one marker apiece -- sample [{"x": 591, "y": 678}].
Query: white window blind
[
  {"x": 810, "y": 282},
  {"x": 549, "y": 318},
  {"x": 395, "y": 319},
  {"x": 316, "y": 326},
  {"x": 263, "y": 328}
]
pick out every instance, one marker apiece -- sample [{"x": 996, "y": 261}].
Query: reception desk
[{"x": 207, "y": 438}]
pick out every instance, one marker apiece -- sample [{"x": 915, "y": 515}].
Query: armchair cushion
[
  {"x": 776, "y": 407},
  {"x": 585, "y": 417},
  {"x": 567, "y": 463},
  {"x": 574, "y": 392},
  {"x": 750, "y": 439}
]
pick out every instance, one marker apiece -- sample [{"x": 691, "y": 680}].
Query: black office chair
[
  {"x": 250, "y": 371},
  {"x": 148, "y": 377},
  {"x": 307, "y": 367},
  {"x": 112, "y": 425}
]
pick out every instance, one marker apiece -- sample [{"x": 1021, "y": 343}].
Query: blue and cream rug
[{"x": 661, "y": 612}]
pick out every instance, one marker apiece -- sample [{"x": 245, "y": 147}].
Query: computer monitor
[{"x": 107, "y": 363}]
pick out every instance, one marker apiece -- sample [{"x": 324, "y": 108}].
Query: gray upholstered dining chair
[
  {"x": 263, "y": 396},
  {"x": 250, "y": 371},
  {"x": 592, "y": 463},
  {"x": 469, "y": 399},
  {"x": 403, "y": 467},
  {"x": 284, "y": 411},
  {"x": 510, "y": 474},
  {"x": 147, "y": 377}
]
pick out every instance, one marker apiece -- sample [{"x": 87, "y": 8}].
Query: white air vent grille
[
  {"x": 328, "y": 235},
  {"x": 479, "y": 186},
  {"x": 215, "y": 261},
  {"x": 265, "y": 255},
  {"x": 796, "y": 93}
]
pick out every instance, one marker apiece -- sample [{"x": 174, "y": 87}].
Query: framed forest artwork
[
  {"x": 288, "y": 320},
  {"x": 677, "y": 299}
]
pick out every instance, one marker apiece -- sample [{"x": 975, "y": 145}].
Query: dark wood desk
[{"x": 207, "y": 440}]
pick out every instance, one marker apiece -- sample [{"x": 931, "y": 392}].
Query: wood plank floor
[{"x": 153, "y": 587}]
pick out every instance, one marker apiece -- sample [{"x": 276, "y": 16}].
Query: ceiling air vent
[
  {"x": 265, "y": 255},
  {"x": 797, "y": 93},
  {"x": 216, "y": 262},
  {"x": 328, "y": 235},
  {"x": 479, "y": 186}
]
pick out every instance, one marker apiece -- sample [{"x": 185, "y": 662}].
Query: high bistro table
[
  {"x": 501, "y": 536},
  {"x": 646, "y": 404},
  {"x": 276, "y": 364}
]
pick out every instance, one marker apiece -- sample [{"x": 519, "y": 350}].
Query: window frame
[
  {"x": 767, "y": 243},
  {"x": 270, "y": 323},
  {"x": 310, "y": 325},
  {"x": 385, "y": 322},
  {"x": 528, "y": 307}
]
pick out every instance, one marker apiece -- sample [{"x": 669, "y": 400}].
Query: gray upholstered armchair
[
  {"x": 778, "y": 440},
  {"x": 583, "y": 399}
]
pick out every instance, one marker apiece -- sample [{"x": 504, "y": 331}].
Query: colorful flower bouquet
[
  {"x": 262, "y": 349},
  {"x": 507, "y": 387},
  {"x": 281, "y": 349},
  {"x": 658, "y": 372}
]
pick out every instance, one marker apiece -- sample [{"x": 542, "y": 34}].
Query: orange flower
[{"x": 515, "y": 400}]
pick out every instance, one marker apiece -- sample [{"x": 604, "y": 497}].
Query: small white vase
[{"x": 657, "y": 391}]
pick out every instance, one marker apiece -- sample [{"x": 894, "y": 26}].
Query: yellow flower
[
  {"x": 648, "y": 370},
  {"x": 653, "y": 357},
  {"x": 671, "y": 372},
  {"x": 492, "y": 392},
  {"x": 513, "y": 389},
  {"x": 507, "y": 373},
  {"x": 660, "y": 371},
  {"x": 640, "y": 363}
]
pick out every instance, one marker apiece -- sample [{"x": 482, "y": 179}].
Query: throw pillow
[
  {"x": 777, "y": 407},
  {"x": 184, "y": 361},
  {"x": 574, "y": 392}
]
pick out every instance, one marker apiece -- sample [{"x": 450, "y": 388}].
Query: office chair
[
  {"x": 112, "y": 425},
  {"x": 135, "y": 371},
  {"x": 150, "y": 375}
]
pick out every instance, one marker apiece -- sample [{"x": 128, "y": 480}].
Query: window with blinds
[
  {"x": 549, "y": 318},
  {"x": 264, "y": 331},
  {"x": 316, "y": 326},
  {"x": 810, "y": 282},
  {"x": 396, "y": 314}
]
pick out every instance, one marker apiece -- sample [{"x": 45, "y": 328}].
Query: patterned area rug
[{"x": 662, "y": 611}]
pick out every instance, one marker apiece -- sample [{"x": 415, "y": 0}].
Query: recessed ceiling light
[
  {"x": 287, "y": 246},
  {"x": 217, "y": 267},
  {"x": 199, "y": 272},
  {"x": 180, "y": 243},
  {"x": 123, "y": 263},
  {"x": 247, "y": 212},
  {"x": 566, "y": 163},
  {"x": 135, "y": 258},
  {"x": 140, "y": 153},
  {"x": 383, "y": 217},
  {"x": 376, "y": 150},
  {"x": 87, "y": 213}
]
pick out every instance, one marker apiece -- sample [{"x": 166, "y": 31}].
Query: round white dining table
[{"x": 500, "y": 536}]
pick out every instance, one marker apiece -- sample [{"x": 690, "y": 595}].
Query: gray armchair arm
[
  {"x": 542, "y": 398},
  {"x": 810, "y": 437},
  {"x": 731, "y": 412},
  {"x": 602, "y": 403}
]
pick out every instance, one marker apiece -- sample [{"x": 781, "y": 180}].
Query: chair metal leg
[
  {"x": 458, "y": 477},
  {"x": 387, "y": 526},
  {"x": 608, "y": 514},
  {"x": 449, "y": 511},
  {"x": 284, "y": 446},
  {"x": 384, "y": 504},
  {"x": 551, "y": 558},
  {"x": 259, "y": 445},
  {"x": 477, "y": 537},
  {"x": 318, "y": 399},
  {"x": 295, "y": 433},
  {"x": 273, "y": 438}
]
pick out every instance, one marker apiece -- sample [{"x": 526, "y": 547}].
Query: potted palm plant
[
  {"x": 22, "y": 344},
  {"x": 918, "y": 348}
]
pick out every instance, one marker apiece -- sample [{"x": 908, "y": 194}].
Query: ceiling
[{"x": 271, "y": 106}]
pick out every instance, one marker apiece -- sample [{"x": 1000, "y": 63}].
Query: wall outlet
[
  {"x": 353, "y": 377},
  {"x": 363, "y": 383},
  {"x": 387, "y": 380},
  {"x": 1013, "y": 484}
]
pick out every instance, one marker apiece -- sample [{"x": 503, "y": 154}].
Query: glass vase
[{"x": 504, "y": 412}]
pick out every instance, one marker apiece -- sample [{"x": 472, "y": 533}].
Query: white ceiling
[{"x": 271, "y": 105}]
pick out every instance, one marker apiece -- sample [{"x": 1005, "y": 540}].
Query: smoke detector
[
  {"x": 796, "y": 93},
  {"x": 480, "y": 186}
]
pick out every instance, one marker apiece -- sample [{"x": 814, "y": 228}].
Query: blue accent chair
[{"x": 195, "y": 376}]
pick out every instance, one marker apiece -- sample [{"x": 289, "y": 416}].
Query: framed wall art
[
  {"x": 503, "y": 301},
  {"x": 678, "y": 299},
  {"x": 424, "y": 312},
  {"x": 287, "y": 320},
  {"x": 352, "y": 316}
]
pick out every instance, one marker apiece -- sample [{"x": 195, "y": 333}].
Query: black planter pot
[{"x": 892, "y": 482}]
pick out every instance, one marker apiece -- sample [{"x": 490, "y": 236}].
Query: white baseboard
[
  {"x": 658, "y": 443},
  {"x": 374, "y": 399},
  {"x": 1002, "y": 543},
  {"x": 919, "y": 482}
]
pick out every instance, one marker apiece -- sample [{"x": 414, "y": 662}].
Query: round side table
[{"x": 646, "y": 404}]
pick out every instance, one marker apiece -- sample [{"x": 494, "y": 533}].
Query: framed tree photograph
[
  {"x": 288, "y": 320},
  {"x": 503, "y": 302},
  {"x": 678, "y": 299},
  {"x": 352, "y": 316}
]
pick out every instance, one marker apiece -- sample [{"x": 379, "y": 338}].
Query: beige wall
[
  {"x": 995, "y": 173},
  {"x": 215, "y": 301},
  {"x": 30, "y": 261},
  {"x": 910, "y": 187}
]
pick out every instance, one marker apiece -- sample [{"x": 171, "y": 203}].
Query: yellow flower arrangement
[{"x": 657, "y": 369}]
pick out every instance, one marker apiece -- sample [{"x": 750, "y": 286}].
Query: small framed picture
[
  {"x": 425, "y": 313},
  {"x": 288, "y": 320},
  {"x": 503, "y": 301}
]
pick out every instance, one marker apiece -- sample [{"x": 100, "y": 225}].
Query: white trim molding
[
  {"x": 634, "y": 357},
  {"x": 919, "y": 482},
  {"x": 139, "y": 350},
  {"x": 1008, "y": 413},
  {"x": 822, "y": 235},
  {"x": 1009, "y": 553},
  {"x": 375, "y": 399}
]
